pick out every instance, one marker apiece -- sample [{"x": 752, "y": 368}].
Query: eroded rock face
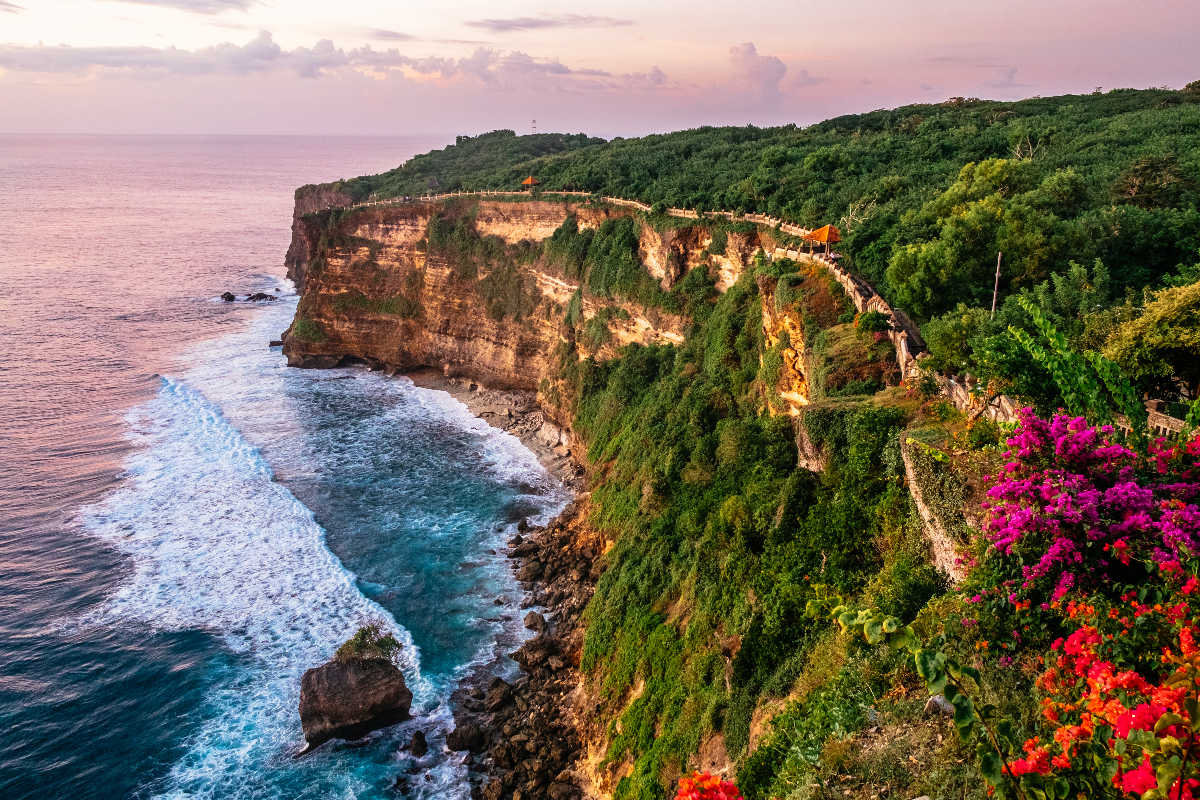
[
  {"x": 349, "y": 699},
  {"x": 374, "y": 291}
]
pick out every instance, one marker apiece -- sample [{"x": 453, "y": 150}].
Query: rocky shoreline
[{"x": 525, "y": 739}]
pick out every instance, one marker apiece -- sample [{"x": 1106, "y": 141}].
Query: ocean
[{"x": 187, "y": 524}]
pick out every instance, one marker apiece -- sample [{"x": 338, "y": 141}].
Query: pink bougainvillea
[{"x": 1074, "y": 509}]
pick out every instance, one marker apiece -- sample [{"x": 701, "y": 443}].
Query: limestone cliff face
[
  {"x": 309, "y": 200},
  {"x": 783, "y": 328},
  {"x": 374, "y": 288}
]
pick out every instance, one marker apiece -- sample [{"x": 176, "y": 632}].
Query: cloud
[
  {"x": 762, "y": 74},
  {"x": 198, "y": 6},
  {"x": 804, "y": 79},
  {"x": 511, "y": 24},
  {"x": 386, "y": 35},
  {"x": 485, "y": 66},
  {"x": 11, "y": 8},
  {"x": 258, "y": 55}
]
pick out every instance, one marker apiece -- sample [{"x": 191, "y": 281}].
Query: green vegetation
[
  {"x": 307, "y": 330},
  {"x": 370, "y": 641},
  {"x": 605, "y": 261},
  {"x": 487, "y": 260},
  {"x": 398, "y": 305},
  {"x": 713, "y": 616},
  {"x": 1161, "y": 347},
  {"x": 463, "y": 164},
  {"x": 720, "y": 540}
]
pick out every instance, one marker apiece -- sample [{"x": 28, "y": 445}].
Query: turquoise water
[{"x": 187, "y": 523}]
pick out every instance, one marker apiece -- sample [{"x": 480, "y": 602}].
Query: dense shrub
[{"x": 371, "y": 640}]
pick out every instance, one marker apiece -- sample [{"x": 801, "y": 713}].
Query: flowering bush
[
  {"x": 1109, "y": 723},
  {"x": 1098, "y": 540},
  {"x": 1074, "y": 512},
  {"x": 703, "y": 786}
]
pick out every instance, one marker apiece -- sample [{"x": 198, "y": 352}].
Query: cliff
[{"x": 479, "y": 298}]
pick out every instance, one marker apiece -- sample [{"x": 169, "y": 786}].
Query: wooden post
[{"x": 996, "y": 286}]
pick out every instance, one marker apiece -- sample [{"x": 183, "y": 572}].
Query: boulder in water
[
  {"x": 259, "y": 297},
  {"x": 360, "y": 690},
  {"x": 228, "y": 297}
]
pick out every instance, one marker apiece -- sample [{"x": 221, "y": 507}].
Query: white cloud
[
  {"x": 198, "y": 6},
  {"x": 761, "y": 74}
]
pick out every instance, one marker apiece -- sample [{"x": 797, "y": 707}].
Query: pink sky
[{"x": 617, "y": 68}]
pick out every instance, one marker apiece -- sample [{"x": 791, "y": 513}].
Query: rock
[
  {"x": 259, "y": 296},
  {"x": 498, "y": 695},
  {"x": 228, "y": 297},
  {"x": 939, "y": 704},
  {"x": 494, "y": 789},
  {"x": 276, "y": 343},
  {"x": 418, "y": 746},
  {"x": 530, "y": 571},
  {"x": 467, "y": 736},
  {"x": 348, "y": 699},
  {"x": 535, "y": 622}
]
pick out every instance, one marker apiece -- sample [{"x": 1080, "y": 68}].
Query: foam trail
[{"x": 217, "y": 544}]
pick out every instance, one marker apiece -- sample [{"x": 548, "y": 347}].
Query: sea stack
[{"x": 357, "y": 691}]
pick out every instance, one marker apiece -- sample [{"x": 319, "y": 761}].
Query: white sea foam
[{"x": 216, "y": 543}]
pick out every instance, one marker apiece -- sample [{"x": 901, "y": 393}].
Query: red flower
[
  {"x": 1138, "y": 780},
  {"x": 703, "y": 786}
]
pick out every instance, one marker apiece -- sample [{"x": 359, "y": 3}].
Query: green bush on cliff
[
  {"x": 605, "y": 261},
  {"x": 397, "y": 305},
  {"x": 307, "y": 330}
]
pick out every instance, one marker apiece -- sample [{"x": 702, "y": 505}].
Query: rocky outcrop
[
  {"x": 783, "y": 329},
  {"x": 347, "y": 699}
]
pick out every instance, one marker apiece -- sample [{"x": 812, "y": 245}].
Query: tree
[{"x": 1161, "y": 348}]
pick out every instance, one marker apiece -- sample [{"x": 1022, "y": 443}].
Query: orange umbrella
[
  {"x": 826, "y": 234},
  {"x": 530, "y": 181}
]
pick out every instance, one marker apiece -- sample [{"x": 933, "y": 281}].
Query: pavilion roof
[{"x": 826, "y": 234}]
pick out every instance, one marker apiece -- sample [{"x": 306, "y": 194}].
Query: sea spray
[{"x": 217, "y": 515}]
